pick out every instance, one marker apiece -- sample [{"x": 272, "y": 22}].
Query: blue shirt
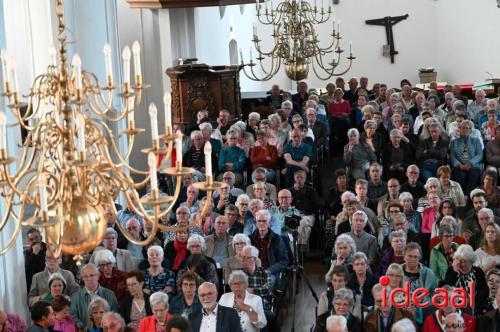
[
  {"x": 232, "y": 154},
  {"x": 474, "y": 148},
  {"x": 298, "y": 153}
]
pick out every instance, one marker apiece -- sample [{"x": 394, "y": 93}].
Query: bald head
[{"x": 284, "y": 198}]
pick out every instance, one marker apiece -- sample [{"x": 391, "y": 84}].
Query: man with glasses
[
  {"x": 229, "y": 178},
  {"x": 124, "y": 215},
  {"x": 399, "y": 223},
  {"x": 81, "y": 299},
  {"x": 231, "y": 212},
  {"x": 466, "y": 156},
  {"x": 182, "y": 215},
  {"x": 219, "y": 245},
  {"x": 40, "y": 284},
  {"x": 272, "y": 249},
  {"x": 192, "y": 202},
  {"x": 260, "y": 175},
  {"x": 412, "y": 185},
  {"x": 34, "y": 255},
  {"x": 213, "y": 317},
  {"x": 124, "y": 261},
  {"x": 392, "y": 196},
  {"x": 223, "y": 199}
]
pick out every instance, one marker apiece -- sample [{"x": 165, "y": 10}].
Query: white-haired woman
[
  {"x": 343, "y": 252},
  {"x": 246, "y": 140},
  {"x": 249, "y": 306},
  {"x": 343, "y": 304},
  {"x": 396, "y": 156},
  {"x": 156, "y": 277},
  {"x": 463, "y": 272},
  {"x": 242, "y": 204},
  {"x": 358, "y": 155},
  {"x": 431, "y": 185},
  {"x": 259, "y": 192},
  {"x": 209, "y": 135},
  {"x": 252, "y": 123},
  {"x": 414, "y": 218},
  {"x": 277, "y": 131},
  {"x": 110, "y": 277},
  {"x": 158, "y": 321},
  {"x": 234, "y": 262},
  {"x": 196, "y": 245}
]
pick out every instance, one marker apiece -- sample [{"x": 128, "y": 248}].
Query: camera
[{"x": 292, "y": 221}]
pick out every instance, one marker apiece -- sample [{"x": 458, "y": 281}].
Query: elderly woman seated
[
  {"x": 431, "y": 185},
  {"x": 156, "y": 277},
  {"x": 176, "y": 251},
  {"x": 208, "y": 136},
  {"x": 336, "y": 278},
  {"x": 442, "y": 254},
  {"x": 195, "y": 156},
  {"x": 249, "y": 306},
  {"x": 157, "y": 321},
  {"x": 234, "y": 262},
  {"x": 462, "y": 271},
  {"x": 358, "y": 155},
  {"x": 232, "y": 158},
  {"x": 259, "y": 192},
  {"x": 343, "y": 304},
  {"x": 264, "y": 155},
  {"x": 110, "y": 277},
  {"x": 395, "y": 253},
  {"x": 187, "y": 300},
  {"x": 97, "y": 307},
  {"x": 396, "y": 157},
  {"x": 342, "y": 254}
]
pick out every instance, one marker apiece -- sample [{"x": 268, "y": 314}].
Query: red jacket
[
  {"x": 341, "y": 109},
  {"x": 148, "y": 323},
  {"x": 431, "y": 323},
  {"x": 259, "y": 155}
]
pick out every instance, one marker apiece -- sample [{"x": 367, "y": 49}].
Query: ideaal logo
[{"x": 420, "y": 297}]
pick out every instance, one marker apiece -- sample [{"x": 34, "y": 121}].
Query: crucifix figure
[{"x": 388, "y": 22}]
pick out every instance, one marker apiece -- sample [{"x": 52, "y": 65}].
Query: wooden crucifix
[{"x": 388, "y": 22}]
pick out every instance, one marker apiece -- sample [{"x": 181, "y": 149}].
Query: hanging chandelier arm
[
  {"x": 12, "y": 240},
  {"x": 96, "y": 91}
]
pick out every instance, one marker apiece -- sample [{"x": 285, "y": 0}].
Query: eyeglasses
[
  {"x": 202, "y": 295},
  {"x": 284, "y": 197},
  {"x": 103, "y": 265},
  {"x": 246, "y": 258},
  {"x": 262, "y": 221},
  {"x": 240, "y": 243},
  {"x": 189, "y": 284}
]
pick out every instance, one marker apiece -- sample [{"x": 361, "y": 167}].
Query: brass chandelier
[
  {"x": 71, "y": 167},
  {"x": 296, "y": 42}
]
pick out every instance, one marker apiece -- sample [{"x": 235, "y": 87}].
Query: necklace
[{"x": 140, "y": 307}]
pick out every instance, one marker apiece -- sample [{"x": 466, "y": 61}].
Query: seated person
[
  {"x": 318, "y": 128},
  {"x": 396, "y": 156},
  {"x": 209, "y": 135},
  {"x": 297, "y": 156},
  {"x": 393, "y": 254},
  {"x": 232, "y": 158},
  {"x": 187, "y": 300},
  {"x": 264, "y": 155},
  {"x": 110, "y": 276},
  {"x": 195, "y": 156},
  {"x": 156, "y": 277},
  {"x": 442, "y": 254},
  {"x": 414, "y": 217},
  {"x": 341, "y": 186},
  {"x": 400, "y": 223},
  {"x": 358, "y": 155},
  {"x": 219, "y": 244},
  {"x": 376, "y": 186},
  {"x": 192, "y": 201},
  {"x": 304, "y": 196},
  {"x": 182, "y": 220},
  {"x": 272, "y": 250},
  {"x": 413, "y": 185},
  {"x": 260, "y": 175},
  {"x": 361, "y": 282},
  {"x": 229, "y": 179},
  {"x": 259, "y": 192},
  {"x": 384, "y": 316},
  {"x": 343, "y": 305},
  {"x": 223, "y": 199},
  {"x": 176, "y": 251},
  {"x": 336, "y": 279},
  {"x": 136, "y": 304},
  {"x": 342, "y": 254},
  {"x": 365, "y": 242}
]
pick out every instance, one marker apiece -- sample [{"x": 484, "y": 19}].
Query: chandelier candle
[
  {"x": 80, "y": 125},
  {"x": 3, "y": 132},
  {"x": 152, "y": 171},
  {"x": 52, "y": 55},
  {"x": 153, "y": 113},
  {"x": 42, "y": 191},
  {"x": 4, "y": 56},
  {"x": 11, "y": 65},
  {"x": 208, "y": 159},
  {"x": 126, "y": 67},
  {"x": 77, "y": 71},
  {"x": 178, "y": 150},
  {"x": 136, "y": 51},
  {"x": 108, "y": 64},
  {"x": 130, "y": 110}
]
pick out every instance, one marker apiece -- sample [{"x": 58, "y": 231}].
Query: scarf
[{"x": 181, "y": 250}]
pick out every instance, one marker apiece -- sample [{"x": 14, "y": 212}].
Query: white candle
[
  {"x": 152, "y": 170},
  {"x": 77, "y": 70},
  {"x": 136, "y": 50},
  {"x": 11, "y": 65},
  {"x": 80, "y": 126},
  {"x": 4, "y": 56},
  {"x": 153, "y": 113},
  {"x": 126, "y": 65},
  {"x": 42, "y": 190},
  {"x": 167, "y": 101},
  {"x": 257, "y": 4},
  {"x": 52, "y": 55},
  {"x": 130, "y": 108},
  {"x": 208, "y": 158},
  {"x": 350, "y": 47},
  {"x": 107, "y": 60},
  {"x": 3, "y": 131},
  {"x": 178, "y": 149},
  {"x": 338, "y": 27},
  {"x": 254, "y": 29}
]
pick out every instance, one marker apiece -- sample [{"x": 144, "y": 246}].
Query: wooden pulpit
[{"x": 199, "y": 86}]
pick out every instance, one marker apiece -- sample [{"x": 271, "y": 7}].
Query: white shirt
[
  {"x": 483, "y": 258},
  {"x": 209, "y": 321},
  {"x": 255, "y": 302}
]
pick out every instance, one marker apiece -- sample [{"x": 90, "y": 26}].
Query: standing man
[
  {"x": 213, "y": 317},
  {"x": 34, "y": 255}
]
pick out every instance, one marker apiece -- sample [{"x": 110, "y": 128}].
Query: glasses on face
[
  {"x": 393, "y": 211},
  {"x": 181, "y": 213},
  {"x": 246, "y": 258},
  {"x": 188, "y": 284},
  {"x": 284, "y": 197},
  {"x": 103, "y": 265},
  {"x": 110, "y": 238},
  {"x": 262, "y": 221},
  {"x": 240, "y": 243},
  {"x": 203, "y": 295}
]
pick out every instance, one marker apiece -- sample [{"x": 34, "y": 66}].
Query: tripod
[{"x": 298, "y": 270}]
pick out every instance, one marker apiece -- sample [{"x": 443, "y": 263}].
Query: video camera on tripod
[{"x": 292, "y": 223}]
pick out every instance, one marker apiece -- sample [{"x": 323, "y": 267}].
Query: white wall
[
  {"x": 467, "y": 40},
  {"x": 412, "y": 39}
]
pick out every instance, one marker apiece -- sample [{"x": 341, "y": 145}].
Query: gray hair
[
  {"x": 238, "y": 274},
  {"x": 274, "y": 118},
  {"x": 243, "y": 198},
  {"x": 396, "y": 132},
  {"x": 205, "y": 125},
  {"x": 360, "y": 255},
  {"x": 370, "y": 124},
  {"x": 253, "y": 250},
  {"x": 487, "y": 211},
  {"x": 347, "y": 240},
  {"x": 197, "y": 238},
  {"x": 466, "y": 252},
  {"x": 353, "y": 132},
  {"x": 456, "y": 317},
  {"x": 195, "y": 133},
  {"x": 157, "y": 249},
  {"x": 336, "y": 321},
  {"x": 347, "y": 193},
  {"x": 158, "y": 298},
  {"x": 405, "y": 196},
  {"x": 104, "y": 256},
  {"x": 111, "y": 230},
  {"x": 362, "y": 214},
  {"x": 57, "y": 276},
  {"x": 344, "y": 294},
  {"x": 259, "y": 185},
  {"x": 240, "y": 237},
  {"x": 403, "y": 325},
  {"x": 256, "y": 201},
  {"x": 254, "y": 115},
  {"x": 395, "y": 95},
  {"x": 399, "y": 233},
  {"x": 399, "y": 216},
  {"x": 432, "y": 180},
  {"x": 116, "y": 317},
  {"x": 97, "y": 302},
  {"x": 263, "y": 213},
  {"x": 287, "y": 102}
]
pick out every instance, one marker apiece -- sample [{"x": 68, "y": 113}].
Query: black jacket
[
  {"x": 353, "y": 323},
  {"x": 126, "y": 307},
  {"x": 34, "y": 263},
  {"x": 227, "y": 320},
  {"x": 427, "y": 151}
]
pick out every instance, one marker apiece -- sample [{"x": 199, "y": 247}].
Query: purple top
[
  {"x": 15, "y": 323},
  {"x": 66, "y": 325}
]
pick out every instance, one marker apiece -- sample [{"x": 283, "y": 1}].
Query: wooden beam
[{"x": 156, "y": 4}]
